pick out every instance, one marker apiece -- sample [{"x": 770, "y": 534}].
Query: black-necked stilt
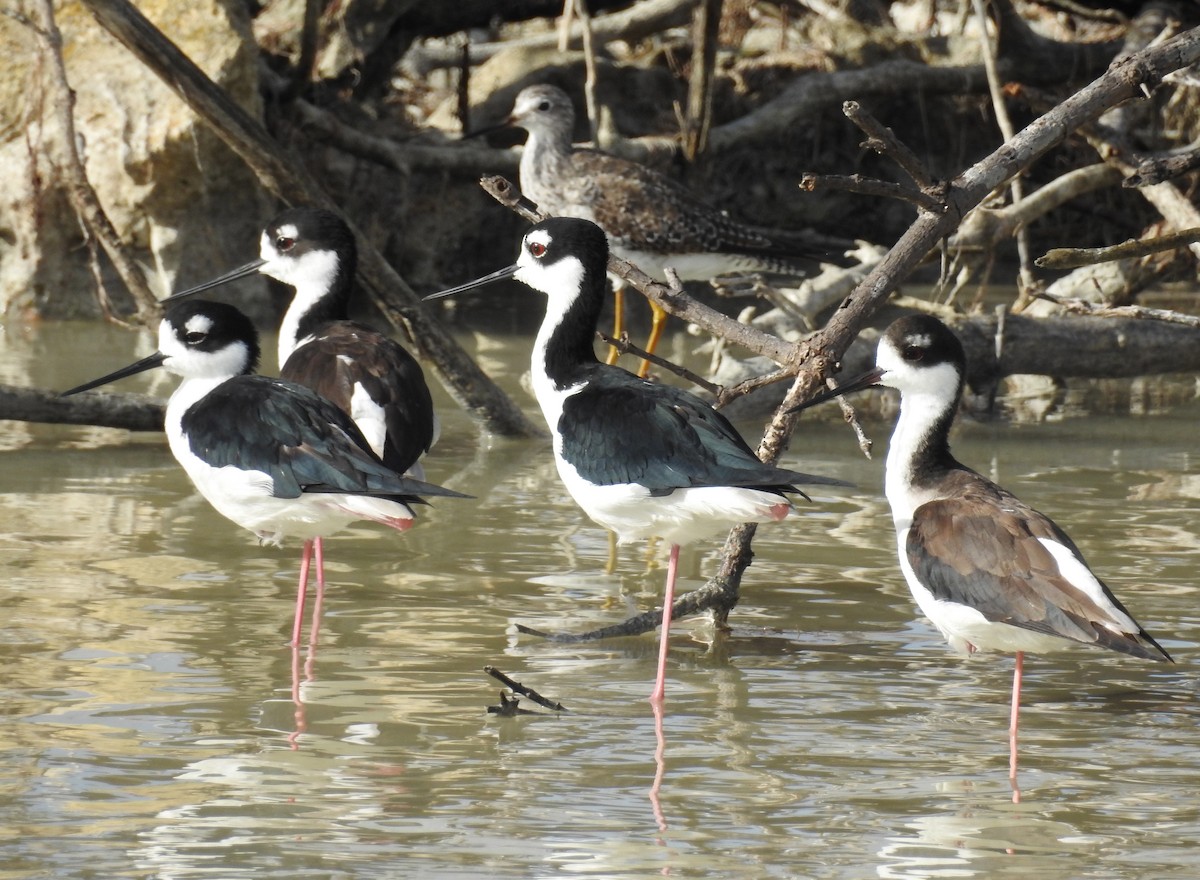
[
  {"x": 273, "y": 456},
  {"x": 641, "y": 459},
  {"x": 651, "y": 220},
  {"x": 369, "y": 375},
  {"x": 990, "y": 572}
]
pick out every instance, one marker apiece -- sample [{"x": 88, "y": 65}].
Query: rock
[{"x": 178, "y": 197}]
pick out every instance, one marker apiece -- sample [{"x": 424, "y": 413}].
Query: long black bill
[
  {"x": 250, "y": 268},
  {"x": 866, "y": 380},
  {"x": 146, "y": 363},
  {"x": 499, "y": 274}
]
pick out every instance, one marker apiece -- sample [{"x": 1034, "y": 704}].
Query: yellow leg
[
  {"x": 658, "y": 318},
  {"x": 652, "y": 553},
  {"x": 611, "y": 565},
  {"x": 618, "y": 322}
]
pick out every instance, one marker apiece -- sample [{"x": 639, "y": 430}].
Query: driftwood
[
  {"x": 942, "y": 206},
  {"x": 284, "y": 175},
  {"x": 133, "y": 412},
  {"x": 1072, "y": 258}
]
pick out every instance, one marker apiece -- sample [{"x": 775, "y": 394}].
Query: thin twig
[
  {"x": 1158, "y": 169},
  {"x": 697, "y": 116},
  {"x": 1026, "y": 281},
  {"x": 865, "y": 443},
  {"x": 856, "y": 183},
  {"x": 502, "y": 190},
  {"x": 624, "y": 346},
  {"x": 883, "y": 140},
  {"x": 730, "y": 393},
  {"x": 590, "y": 78},
  {"x": 517, "y": 688}
]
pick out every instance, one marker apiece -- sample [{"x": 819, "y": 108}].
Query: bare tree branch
[
  {"x": 1071, "y": 258},
  {"x": 1082, "y": 307},
  {"x": 133, "y": 412},
  {"x": 1159, "y": 169}
]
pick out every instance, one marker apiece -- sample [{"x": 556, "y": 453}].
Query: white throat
[{"x": 311, "y": 277}]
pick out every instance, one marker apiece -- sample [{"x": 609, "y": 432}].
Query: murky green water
[{"x": 151, "y": 731}]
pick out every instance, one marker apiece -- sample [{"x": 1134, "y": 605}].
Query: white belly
[
  {"x": 965, "y": 628},
  {"x": 684, "y": 516}
]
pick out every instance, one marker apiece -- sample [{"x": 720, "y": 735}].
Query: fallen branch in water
[
  {"x": 106, "y": 409},
  {"x": 508, "y": 707}
]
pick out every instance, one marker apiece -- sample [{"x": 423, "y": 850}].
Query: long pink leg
[
  {"x": 319, "y": 553},
  {"x": 1014, "y": 719},
  {"x": 298, "y": 713},
  {"x": 660, "y": 683},
  {"x": 660, "y": 766},
  {"x": 301, "y": 591}
]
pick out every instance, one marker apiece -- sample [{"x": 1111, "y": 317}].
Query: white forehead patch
[
  {"x": 539, "y": 236},
  {"x": 266, "y": 243},
  {"x": 561, "y": 276},
  {"x": 920, "y": 340},
  {"x": 198, "y": 324}
]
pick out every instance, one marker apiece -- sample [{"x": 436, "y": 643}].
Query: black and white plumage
[
  {"x": 989, "y": 571},
  {"x": 273, "y": 456},
  {"x": 368, "y": 374},
  {"x": 651, "y": 220},
  {"x": 641, "y": 459}
]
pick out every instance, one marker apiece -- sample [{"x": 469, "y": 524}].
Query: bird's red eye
[
  {"x": 537, "y": 249},
  {"x": 284, "y": 243}
]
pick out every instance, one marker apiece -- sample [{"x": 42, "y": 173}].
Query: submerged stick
[{"x": 517, "y": 688}]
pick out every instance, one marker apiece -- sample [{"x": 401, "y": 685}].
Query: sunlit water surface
[{"x": 152, "y": 733}]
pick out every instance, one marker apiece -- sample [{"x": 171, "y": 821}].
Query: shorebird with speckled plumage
[{"x": 651, "y": 220}]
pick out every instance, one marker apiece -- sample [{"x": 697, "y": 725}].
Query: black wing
[
  {"x": 620, "y": 429},
  {"x": 304, "y": 442}
]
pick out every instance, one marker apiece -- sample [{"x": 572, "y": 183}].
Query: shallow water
[{"x": 152, "y": 732}]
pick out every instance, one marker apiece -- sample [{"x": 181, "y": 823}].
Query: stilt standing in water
[
  {"x": 640, "y": 458},
  {"x": 273, "y": 456},
  {"x": 990, "y": 572}
]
